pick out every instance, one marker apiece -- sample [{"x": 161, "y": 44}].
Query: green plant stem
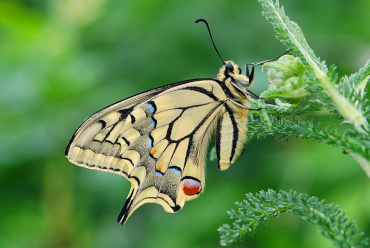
[
  {"x": 345, "y": 98},
  {"x": 363, "y": 162},
  {"x": 345, "y": 108},
  {"x": 263, "y": 114}
]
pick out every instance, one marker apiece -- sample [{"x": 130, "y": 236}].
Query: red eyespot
[{"x": 190, "y": 186}]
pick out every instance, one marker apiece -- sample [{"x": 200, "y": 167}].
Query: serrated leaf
[{"x": 331, "y": 220}]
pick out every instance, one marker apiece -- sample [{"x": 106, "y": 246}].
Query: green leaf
[
  {"x": 260, "y": 208},
  {"x": 304, "y": 86},
  {"x": 290, "y": 34}
]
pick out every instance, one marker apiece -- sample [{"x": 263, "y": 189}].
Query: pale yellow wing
[{"x": 157, "y": 140}]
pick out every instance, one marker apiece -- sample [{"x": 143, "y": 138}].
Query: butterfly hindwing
[{"x": 157, "y": 140}]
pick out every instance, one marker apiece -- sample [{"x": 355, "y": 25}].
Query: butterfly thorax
[
  {"x": 231, "y": 72},
  {"x": 235, "y": 82}
]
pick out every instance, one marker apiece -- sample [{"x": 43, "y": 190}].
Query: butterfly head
[{"x": 231, "y": 72}]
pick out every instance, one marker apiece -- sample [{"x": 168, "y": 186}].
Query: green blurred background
[{"x": 60, "y": 61}]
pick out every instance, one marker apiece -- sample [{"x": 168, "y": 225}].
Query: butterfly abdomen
[{"x": 230, "y": 135}]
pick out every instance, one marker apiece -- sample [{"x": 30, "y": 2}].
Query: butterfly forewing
[{"x": 158, "y": 140}]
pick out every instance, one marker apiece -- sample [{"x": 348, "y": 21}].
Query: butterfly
[{"x": 158, "y": 139}]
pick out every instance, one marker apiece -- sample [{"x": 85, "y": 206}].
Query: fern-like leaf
[{"x": 258, "y": 209}]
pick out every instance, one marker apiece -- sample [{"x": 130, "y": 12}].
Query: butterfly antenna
[{"x": 210, "y": 34}]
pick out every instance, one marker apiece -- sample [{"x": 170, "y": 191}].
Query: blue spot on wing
[
  {"x": 153, "y": 122},
  {"x": 150, "y": 141},
  {"x": 175, "y": 169},
  {"x": 158, "y": 173},
  {"x": 151, "y": 157},
  {"x": 151, "y": 106}
]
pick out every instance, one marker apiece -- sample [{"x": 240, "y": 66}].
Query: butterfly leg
[
  {"x": 253, "y": 95},
  {"x": 250, "y": 93},
  {"x": 250, "y": 74},
  {"x": 257, "y": 109}
]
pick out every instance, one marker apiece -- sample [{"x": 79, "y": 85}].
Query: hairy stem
[{"x": 350, "y": 113}]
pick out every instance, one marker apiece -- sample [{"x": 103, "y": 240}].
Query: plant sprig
[
  {"x": 258, "y": 209},
  {"x": 302, "y": 85},
  {"x": 306, "y": 129}
]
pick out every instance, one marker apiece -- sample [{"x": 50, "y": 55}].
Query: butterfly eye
[{"x": 229, "y": 67}]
